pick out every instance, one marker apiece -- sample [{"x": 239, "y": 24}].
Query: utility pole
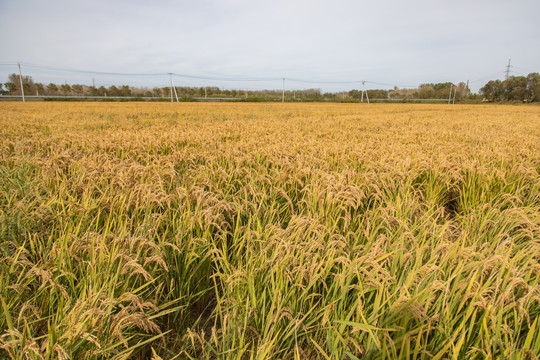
[
  {"x": 170, "y": 78},
  {"x": 455, "y": 91},
  {"x": 283, "y": 92},
  {"x": 205, "y": 96},
  {"x": 450, "y": 95},
  {"x": 20, "y": 78},
  {"x": 367, "y": 95},
  {"x": 93, "y": 82},
  {"x": 173, "y": 89},
  {"x": 175, "y": 94},
  {"x": 364, "y": 91},
  {"x": 508, "y": 70}
]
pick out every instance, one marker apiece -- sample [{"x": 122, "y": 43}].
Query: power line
[
  {"x": 229, "y": 78},
  {"x": 199, "y": 77},
  {"x": 402, "y": 86},
  {"x": 216, "y": 78},
  {"x": 89, "y": 71},
  {"x": 488, "y": 77},
  {"x": 523, "y": 69},
  {"x": 348, "y": 82},
  {"x": 323, "y": 81}
]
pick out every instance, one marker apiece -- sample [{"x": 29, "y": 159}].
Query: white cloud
[{"x": 387, "y": 41}]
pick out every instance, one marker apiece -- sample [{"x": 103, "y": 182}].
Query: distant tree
[
  {"x": 65, "y": 89},
  {"x": 113, "y": 91},
  {"x": 14, "y": 84},
  {"x": 515, "y": 88},
  {"x": 355, "y": 94},
  {"x": 157, "y": 92},
  {"x": 77, "y": 89},
  {"x": 10, "y": 87},
  {"x": 93, "y": 91},
  {"x": 442, "y": 90},
  {"x": 165, "y": 91},
  {"x": 426, "y": 91},
  {"x": 403, "y": 93},
  {"x": 493, "y": 90},
  {"x": 372, "y": 94},
  {"x": 52, "y": 89},
  {"x": 102, "y": 91},
  {"x": 213, "y": 90},
  {"x": 313, "y": 94},
  {"x": 124, "y": 90},
  {"x": 463, "y": 90},
  {"x": 377, "y": 94},
  {"x": 40, "y": 89},
  {"x": 533, "y": 87}
]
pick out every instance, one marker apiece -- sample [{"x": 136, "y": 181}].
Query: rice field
[{"x": 269, "y": 231}]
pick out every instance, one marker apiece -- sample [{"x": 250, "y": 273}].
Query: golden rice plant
[{"x": 269, "y": 231}]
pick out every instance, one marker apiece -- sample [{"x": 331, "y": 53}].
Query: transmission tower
[{"x": 508, "y": 70}]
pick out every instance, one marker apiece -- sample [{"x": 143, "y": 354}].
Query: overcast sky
[{"x": 403, "y": 43}]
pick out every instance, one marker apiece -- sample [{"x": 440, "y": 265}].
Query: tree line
[
  {"x": 13, "y": 87},
  {"x": 517, "y": 88},
  {"x": 425, "y": 91}
]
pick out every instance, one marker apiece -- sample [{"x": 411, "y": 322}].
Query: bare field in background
[{"x": 269, "y": 231}]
